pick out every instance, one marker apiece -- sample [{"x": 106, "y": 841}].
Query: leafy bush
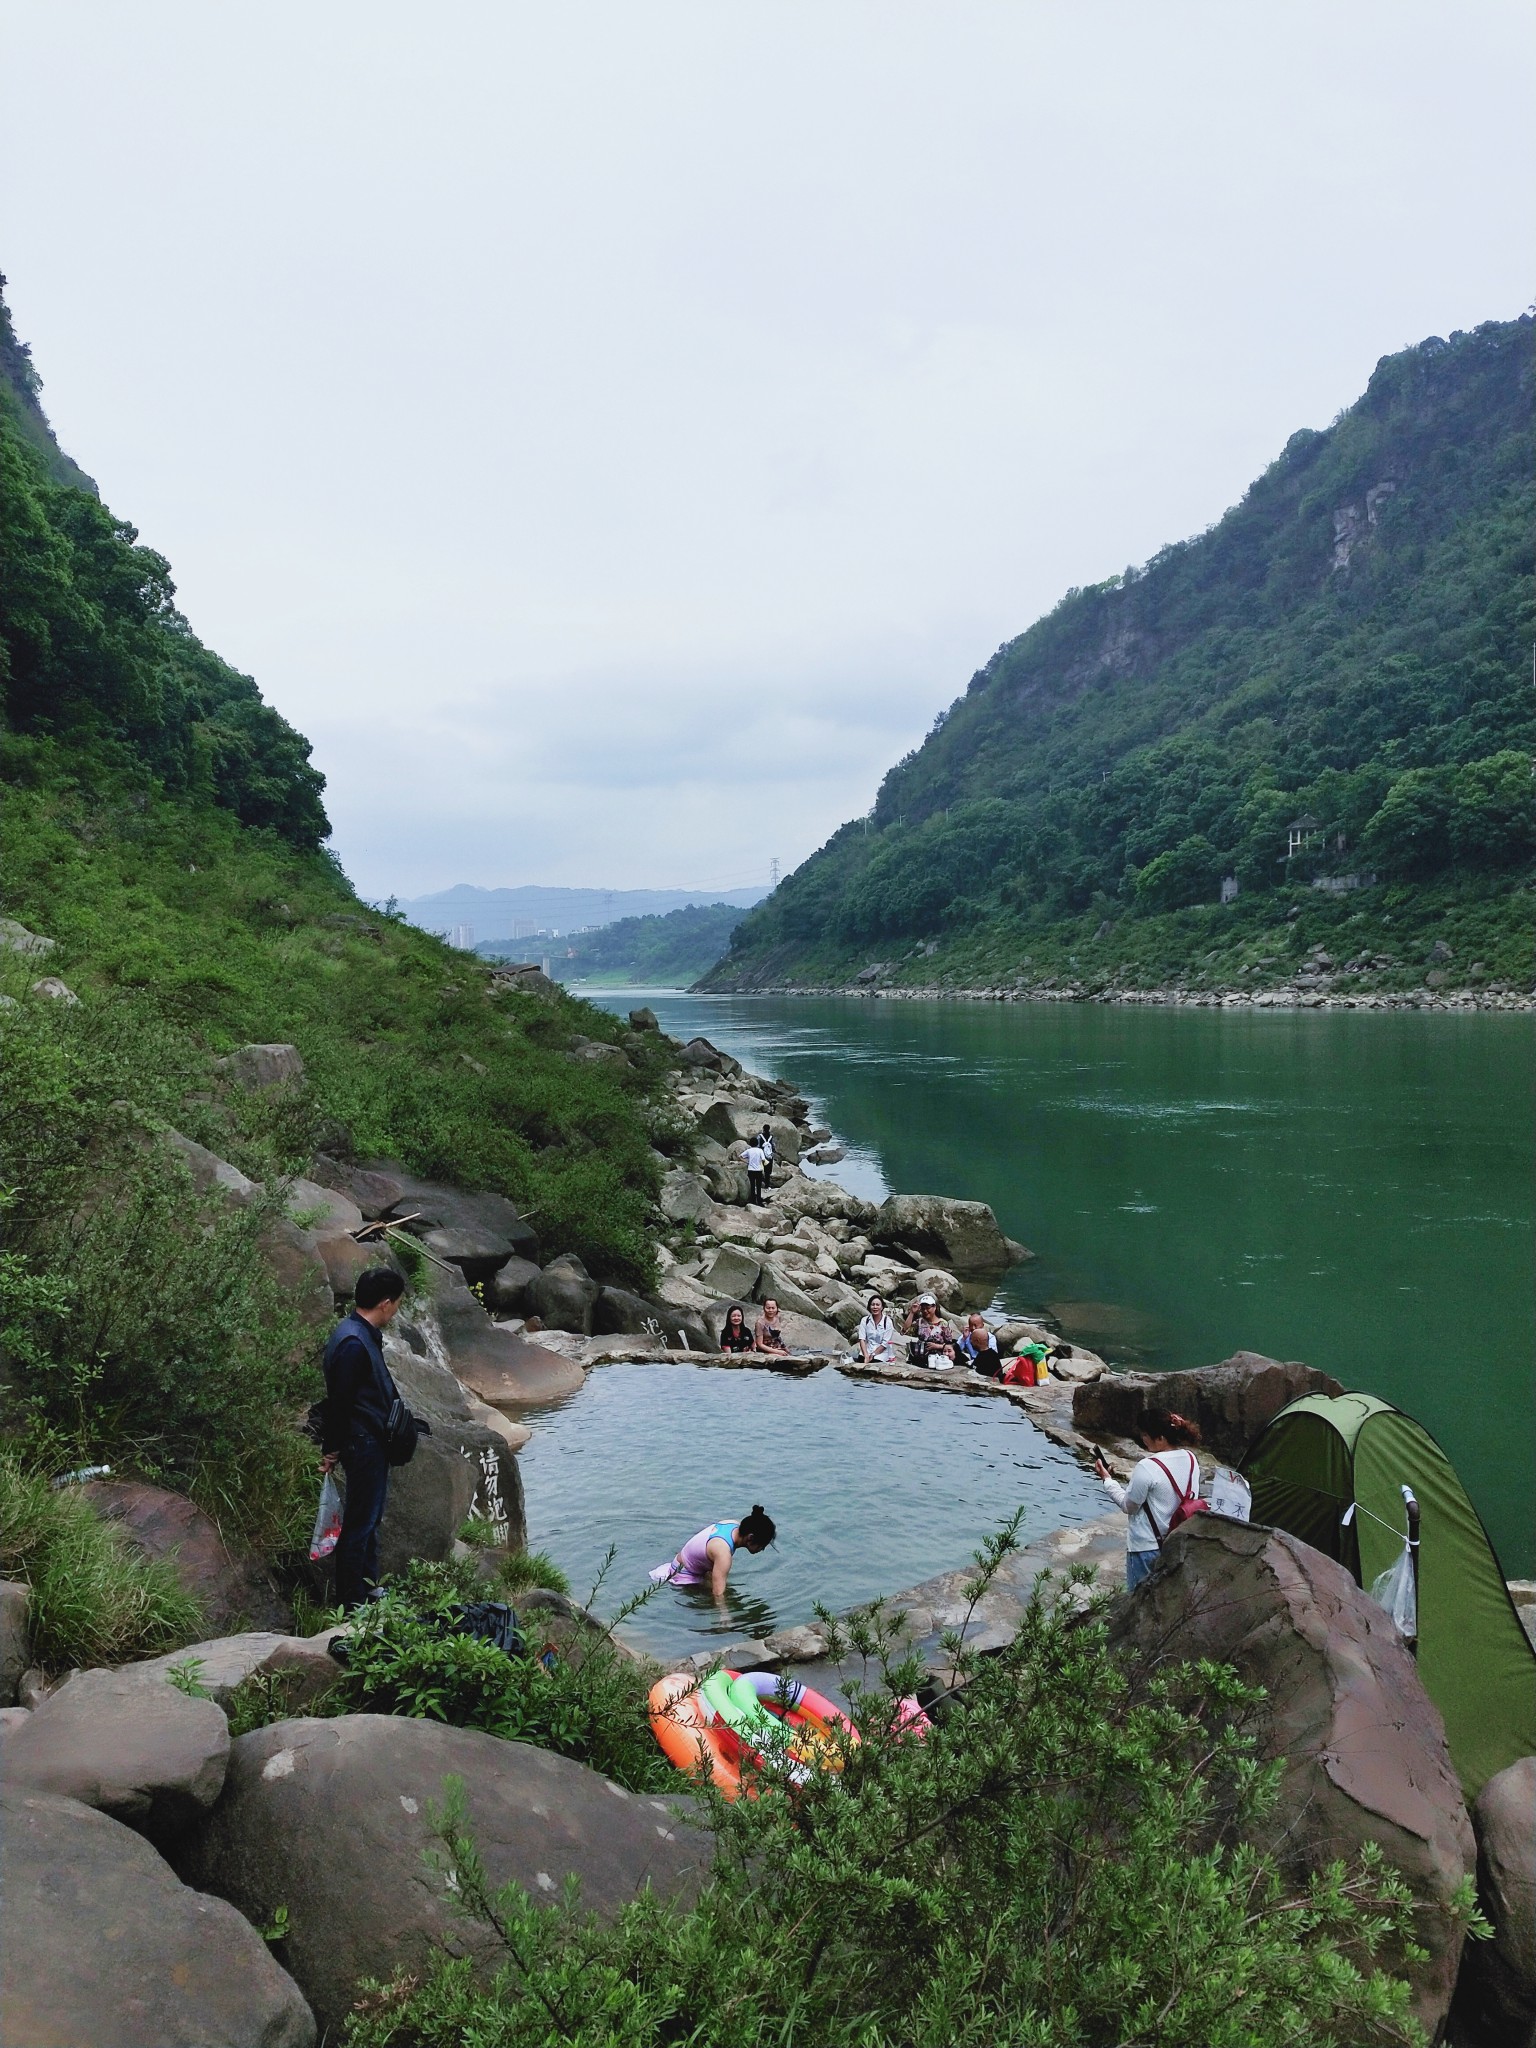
[
  {"x": 1061, "y": 1863},
  {"x": 588, "y": 1703},
  {"x": 94, "y": 1601}
]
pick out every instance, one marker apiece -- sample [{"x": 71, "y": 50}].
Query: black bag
[{"x": 403, "y": 1431}]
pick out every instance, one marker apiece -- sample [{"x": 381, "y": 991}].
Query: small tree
[{"x": 1186, "y": 873}]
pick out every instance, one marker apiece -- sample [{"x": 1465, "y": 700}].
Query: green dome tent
[{"x": 1322, "y": 1453}]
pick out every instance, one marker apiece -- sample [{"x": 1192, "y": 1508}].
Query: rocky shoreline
[{"x": 1302, "y": 995}]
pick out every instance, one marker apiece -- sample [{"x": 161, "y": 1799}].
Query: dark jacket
[{"x": 358, "y": 1387}]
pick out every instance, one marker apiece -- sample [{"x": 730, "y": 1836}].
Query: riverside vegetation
[
  {"x": 1346, "y": 653},
  {"x": 1062, "y": 1861}
]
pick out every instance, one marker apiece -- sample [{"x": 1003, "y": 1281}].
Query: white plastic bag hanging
[
  {"x": 327, "y": 1521},
  {"x": 1395, "y": 1592},
  {"x": 1231, "y": 1494}
]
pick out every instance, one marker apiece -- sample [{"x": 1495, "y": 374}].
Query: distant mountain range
[{"x": 470, "y": 916}]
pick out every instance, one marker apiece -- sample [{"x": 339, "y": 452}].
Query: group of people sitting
[
  {"x": 766, "y": 1334},
  {"x": 926, "y": 1339}
]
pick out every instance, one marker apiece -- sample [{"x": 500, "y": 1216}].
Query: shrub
[
  {"x": 405, "y": 1658},
  {"x": 1060, "y": 1863},
  {"x": 94, "y": 1601}
]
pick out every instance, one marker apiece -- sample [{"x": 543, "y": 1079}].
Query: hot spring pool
[{"x": 874, "y": 1488}]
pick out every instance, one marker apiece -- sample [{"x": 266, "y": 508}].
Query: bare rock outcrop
[{"x": 1231, "y": 1402}]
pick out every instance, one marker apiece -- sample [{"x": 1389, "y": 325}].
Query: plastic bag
[
  {"x": 1231, "y": 1494},
  {"x": 327, "y": 1520},
  {"x": 1394, "y": 1591}
]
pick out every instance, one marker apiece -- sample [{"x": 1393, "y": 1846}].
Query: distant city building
[{"x": 462, "y": 936}]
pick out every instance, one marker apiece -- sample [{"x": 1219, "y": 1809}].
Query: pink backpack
[{"x": 1188, "y": 1503}]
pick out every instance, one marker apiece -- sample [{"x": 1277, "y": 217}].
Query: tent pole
[{"x": 1412, "y": 1506}]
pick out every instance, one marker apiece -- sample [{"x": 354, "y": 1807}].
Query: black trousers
[
  {"x": 357, "y": 1550},
  {"x": 754, "y": 1186}
]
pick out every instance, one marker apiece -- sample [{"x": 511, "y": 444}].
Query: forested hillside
[
  {"x": 167, "y": 898},
  {"x": 1333, "y": 682},
  {"x": 670, "y": 950}
]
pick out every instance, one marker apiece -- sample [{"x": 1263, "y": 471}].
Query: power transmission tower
[{"x": 773, "y": 872}]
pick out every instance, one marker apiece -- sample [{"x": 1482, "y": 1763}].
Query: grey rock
[
  {"x": 15, "y": 938},
  {"x": 698, "y": 1052},
  {"x": 644, "y": 1019},
  {"x": 259, "y": 1069},
  {"x": 563, "y": 1299},
  {"x": 15, "y": 1636},
  {"x": 326, "y": 1211},
  {"x": 332, "y": 1818},
  {"x": 774, "y": 1282},
  {"x": 597, "y": 1052},
  {"x": 376, "y": 1189},
  {"x": 731, "y": 1273},
  {"x": 478, "y": 1233},
  {"x": 1497, "y": 1992},
  {"x": 55, "y": 990},
  {"x": 302, "y": 1663},
  {"x": 1231, "y": 1402},
  {"x": 12, "y": 1717},
  {"x": 964, "y": 1235},
  {"x": 804, "y": 1645},
  {"x": 211, "y": 1174},
  {"x": 1361, "y": 1744},
  {"x": 506, "y": 1292},
  {"x": 104, "y": 1948},
  {"x": 136, "y": 1748},
  {"x": 825, "y": 1155},
  {"x": 525, "y": 980},
  {"x": 504, "y": 1369},
  {"x": 464, "y": 1428},
  {"x": 683, "y": 1197}
]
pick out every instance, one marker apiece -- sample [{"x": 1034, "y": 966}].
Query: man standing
[
  {"x": 757, "y": 1166},
  {"x": 358, "y": 1394}
]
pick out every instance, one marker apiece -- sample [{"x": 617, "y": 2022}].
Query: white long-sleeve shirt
[{"x": 1151, "y": 1488}]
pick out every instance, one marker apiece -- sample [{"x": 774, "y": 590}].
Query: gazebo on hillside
[{"x": 1302, "y": 835}]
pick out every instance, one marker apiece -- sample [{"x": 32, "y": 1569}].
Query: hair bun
[{"x": 757, "y": 1507}]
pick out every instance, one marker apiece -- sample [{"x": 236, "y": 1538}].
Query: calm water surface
[
  {"x": 873, "y": 1488},
  {"x": 1351, "y": 1189}
]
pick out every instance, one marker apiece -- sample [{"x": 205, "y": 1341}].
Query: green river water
[{"x": 1350, "y": 1189}]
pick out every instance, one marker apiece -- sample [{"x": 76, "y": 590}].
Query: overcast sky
[{"x": 613, "y": 431}]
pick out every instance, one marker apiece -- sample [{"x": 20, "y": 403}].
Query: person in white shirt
[
  {"x": 757, "y": 1166},
  {"x": 1160, "y": 1483},
  {"x": 877, "y": 1335}
]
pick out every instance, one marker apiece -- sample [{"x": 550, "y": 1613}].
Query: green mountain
[
  {"x": 667, "y": 951},
  {"x": 1346, "y": 652},
  {"x": 167, "y": 898}
]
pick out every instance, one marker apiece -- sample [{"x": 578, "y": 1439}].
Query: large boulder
[
  {"x": 263, "y": 1069},
  {"x": 302, "y": 1665},
  {"x": 683, "y": 1197},
  {"x": 963, "y": 1237},
  {"x": 1362, "y": 1745},
  {"x": 332, "y": 1819},
  {"x": 294, "y": 1260},
  {"x": 618, "y": 1313},
  {"x": 698, "y": 1052},
  {"x": 1496, "y": 1998},
  {"x": 775, "y": 1283},
  {"x": 376, "y": 1189},
  {"x": 133, "y": 1746},
  {"x": 105, "y": 1948},
  {"x": 233, "y": 1592},
  {"x": 463, "y": 1427},
  {"x": 731, "y": 1273},
  {"x": 15, "y": 1636},
  {"x": 1232, "y": 1402},
  {"x": 801, "y": 1333},
  {"x": 731, "y": 1123},
  {"x": 478, "y": 1233},
  {"x": 503, "y": 1368},
  {"x": 563, "y": 1297},
  {"x": 506, "y": 1292}
]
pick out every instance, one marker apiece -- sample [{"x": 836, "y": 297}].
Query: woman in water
[
  {"x": 734, "y": 1334},
  {"x": 705, "y": 1559}
]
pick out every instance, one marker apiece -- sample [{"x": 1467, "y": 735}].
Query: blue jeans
[
  {"x": 357, "y": 1551},
  {"x": 1138, "y": 1564}
]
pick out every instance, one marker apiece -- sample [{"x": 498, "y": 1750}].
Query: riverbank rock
[
  {"x": 730, "y": 1273},
  {"x": 963, "y": 1235},
  {"x": 1232, "y": 1402},
  {"x": 375, "y": 1189},
  {"x": 506, "y": 1292},
  {"x": 500, "y": 1366},
  {"x": 103, "y": 1944},
  {"x": 15, "y": 1636},
  {"x": 478, "y": 1233},
  {"x": 1362, "y": 1745},
  {"x": 683, "y": 1197},
  {"x": 132, "y": 1746},
  {"x": 233, "y": 1592},
  {"x": 1496, "y": 1998},
  {"x": 564, "y": 1296},
  {"x": 332, "y": 1818},
  {"x": 303, "y": 1664}
]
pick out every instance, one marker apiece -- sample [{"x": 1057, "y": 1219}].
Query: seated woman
[
  {"x": 933, "y": 1341},
  {"x": 979, "y": 1347},
  {"x": 769, "y": 1333},
  {"x": 735, "y": 1336},
  {"x": 877, "y": 1334},
  {"x": 706, "y": 1558}
]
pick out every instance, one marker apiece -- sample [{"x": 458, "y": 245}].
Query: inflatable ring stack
[{"x": 707, "y": 1727}]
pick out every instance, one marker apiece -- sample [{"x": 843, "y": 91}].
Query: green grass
[{"x": 93, "y": 1600}]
